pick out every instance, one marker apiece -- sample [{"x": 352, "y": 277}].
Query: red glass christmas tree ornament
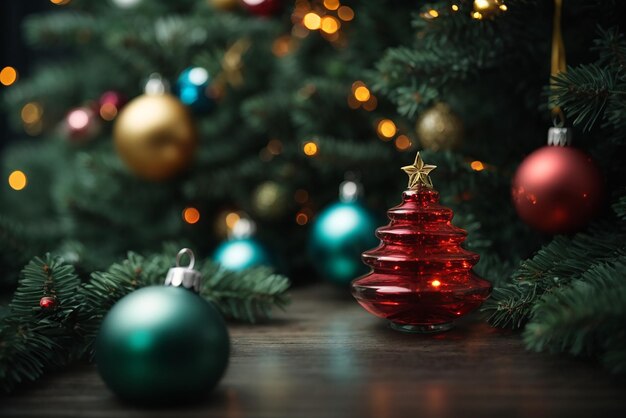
[{"x": 421, "y": 278}]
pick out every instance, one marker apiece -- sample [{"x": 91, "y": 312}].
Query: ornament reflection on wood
[
  {"x": 339, "y": 234},
  {"x": 155, "y": 136},
  {"x": 421, "y": 278},
  {"x": 163, "y": 344},
  {"x": 439, "y": 128},
  {"x": 557, "y": 189}
]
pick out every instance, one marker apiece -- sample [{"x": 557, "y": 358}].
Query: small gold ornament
[
  {"x": 488, "y": 9},
  {"x": 270, "y": 200},
  {"x": 418, "y": 173},
  {"x": 224, "y": 4},
  {"x": 155, "y": 136},
  {"x": 439, "y": 128}
]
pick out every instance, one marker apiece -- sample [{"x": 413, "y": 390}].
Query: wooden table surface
[{"x": 327, "y": 357}]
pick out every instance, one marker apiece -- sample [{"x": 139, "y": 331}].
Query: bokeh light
[
  {"x": 330, "y": 25},
  {"x": 191, "y": 215},
  {"x": 108, "y": 111},
  {"x": 312, "y": 21},
  {"x": 231, "y": 219},
  {"x": 310, "y": 148},
  {"x": 477, "y": 166},
  {"x": 386, "y": 129},
  {"x": 345, "y": 13},
  {"x": 31, "y": 113},
  {"x": 362, "y": 94},
  {"x": 403, "y": 142},
  {"x": 8, "y": 76},
  {"x": 18, "y": 180},
  {"x": 302, "y": 218},
  {"x": 78, "y": 119},
  {"x": 331, "y": 4}
]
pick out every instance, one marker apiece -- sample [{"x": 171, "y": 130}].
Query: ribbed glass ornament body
[{"x": 421, "y": 278}]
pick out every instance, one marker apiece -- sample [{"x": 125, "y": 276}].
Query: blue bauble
[
  {"x": 242, "y": 253},
  {"x": 192, "y": 88},
  {"x": 339, "y": 235},
  {"x": 162, "y": 344}
]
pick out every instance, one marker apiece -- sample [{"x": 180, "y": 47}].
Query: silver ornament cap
[
  {"x": 186, "y": 277},
  {"x": 560, "y": 137}
]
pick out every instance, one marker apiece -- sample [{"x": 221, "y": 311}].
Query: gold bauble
[
  {"x": 439, "y": 128},
  {"x": 155, "y": 136},
  {"x": 224, "y": 4},
  {"x": 270, "y": 200}
]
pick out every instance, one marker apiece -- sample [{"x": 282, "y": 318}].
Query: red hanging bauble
[
  {"x": 48, "y": 302},
  {"x": 263, "y": 8},
  {"x": 421, "y": 278},
  {"x": 557, "y": 189}
]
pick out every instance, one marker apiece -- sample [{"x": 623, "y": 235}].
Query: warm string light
[
  {"x": 386, "y": 129},
  {"x": 191, "y": 215},
  {"x": 482, "y": 9},
  {"x": 284, "y": 45},
  {"x": 403, "y": 143},
  {"x": 8, "y": 76},
  {"x": 310, "y": 149},
  {"x": 302, "y": 218},
  {"x": 361, "y": 96},
  {"x": 32, "y": 118},
  {"x": 18, "y": 180},
  {"x": 60, "y": 2},
  {"x": 477, "y": 165},
  {"x": 324, "y": 16}
]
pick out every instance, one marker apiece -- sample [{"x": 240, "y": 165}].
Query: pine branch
[
  {"x": 554, "y": 267},
  {"x": 33, "y": 340},
  {"x": 586, "y": 318},
  {"x": 584, "y": 92},
  {"x": 247, "y": 296}
]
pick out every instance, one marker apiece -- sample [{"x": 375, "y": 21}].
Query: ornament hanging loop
[
  {"x": 189, "y": 253},
  {"x": 185, "y": 277}
]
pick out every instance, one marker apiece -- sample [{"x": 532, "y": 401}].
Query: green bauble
[
  {"x": 339, "y": 235},
  {"x": 162, "y": 344}
]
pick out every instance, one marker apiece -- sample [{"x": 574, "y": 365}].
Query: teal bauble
[
  {"x": 162, "y": 345},
  {"x": 192, "y": 88},
  {"x": 242, "y": 253},
  {"x": 340, "y": 233}
]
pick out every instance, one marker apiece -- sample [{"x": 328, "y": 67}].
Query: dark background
[{"x": 13, "y": 52}]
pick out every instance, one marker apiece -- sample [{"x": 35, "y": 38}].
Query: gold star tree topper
[{"x": 418, "y": 173}]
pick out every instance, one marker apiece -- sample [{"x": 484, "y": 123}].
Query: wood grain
[{"x": 326, "y": 357}]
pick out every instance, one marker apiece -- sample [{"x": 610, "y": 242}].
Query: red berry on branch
[{"x": 48, "y": 302}]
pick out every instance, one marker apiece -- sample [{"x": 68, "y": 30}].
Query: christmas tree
[{"x": 282, "y": 102}]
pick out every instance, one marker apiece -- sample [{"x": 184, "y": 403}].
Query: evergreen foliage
[
  {"x": 569, "y": 295},
  {"x": 34, "y": 340},
  {"x": 83, "y": 204}
]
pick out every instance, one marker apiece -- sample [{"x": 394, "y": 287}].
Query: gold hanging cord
[{"x": 558, "y": 56}]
